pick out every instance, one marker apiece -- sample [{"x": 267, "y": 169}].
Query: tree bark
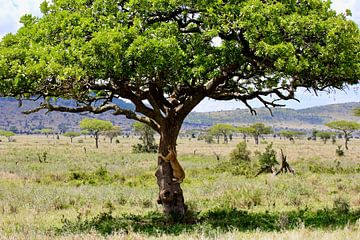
[
  {"x": 170, "y": 192},
  {"x": 346, "y": 140},
  {"x": 96, "y": 140}
]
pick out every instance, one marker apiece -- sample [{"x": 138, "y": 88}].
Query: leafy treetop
[
  {"x": 6, "y": 133},
  {"x": 345, "y": 126},
  {"x": 72, "y": 134},
  {"x": 176, "y": 53},
  {"x": 95, "y": 126}
]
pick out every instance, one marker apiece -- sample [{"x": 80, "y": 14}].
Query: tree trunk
[
  {"x": 170, "y": 192},
  {"x": 96, "y": 140},
  {"x": 346, "y": 140},
  {"x": 256, "y": 139},
  {"x": 71, "y": 140}
]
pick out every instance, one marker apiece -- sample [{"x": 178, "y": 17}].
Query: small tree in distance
[
  {"x": 346, "y": 127},
  {"x": 71, "y": 135},
  {"x": 95, "y": 127},
  {"x": 291, "y": 134},
  {"x": 221, "y": 129},
  {"x": 47, "y": 131},
  {"x": 146, "y": 136},
  {"x": 325, "y": 136},
  {"x": 8, "y": 134},
  {"x": 112, "y": 133},
  {"x": 257, "y": 130}
]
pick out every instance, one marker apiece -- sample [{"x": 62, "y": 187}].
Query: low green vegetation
[{"x": 111, "y": 191}]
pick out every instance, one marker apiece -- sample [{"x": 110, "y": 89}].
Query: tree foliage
[
  {"x": 172, "y": 55},
  {"x": 7, "y": 134},
  {"x": 325, "y": 136},
  {"x": 72, "y": 135},
  {"x": 147, "y": 138},
  {"x": 153, "y": 49},
  {"x": 257, "y": 130},
  {"x": 267, "y": 158},
  {"x": 95, "y": 127},
  {"x": 221, "y": 129},
  {"x": 112, "y": 133},
  {"x": 291, "y": 134},
  {"x": 346, "y": 127}
]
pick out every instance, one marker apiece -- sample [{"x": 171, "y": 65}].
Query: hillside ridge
[{"x": 307, "y": 118}]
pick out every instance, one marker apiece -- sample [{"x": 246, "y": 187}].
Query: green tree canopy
[
  {"x": 325, "y": 135},
  {"x": 222, "y": 129},
  {"x": 346, "y": 127},
  {"x": 290, "y": 134},
  {"x": 257, "y": 130},
  {"x": 174, "y": 54},
  {"x": 7, "y": 134},
  {"x": 146, "y": 136},
  {"x": 95, "y": 126},
  {"x": 72, "y": 135},
  {"x": 112, "y": 133}
]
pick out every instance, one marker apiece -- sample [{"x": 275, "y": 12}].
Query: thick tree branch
[{"x": 96, "y": 110}]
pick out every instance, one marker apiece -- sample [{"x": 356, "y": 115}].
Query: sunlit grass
[{"x": 44, "y": 181}]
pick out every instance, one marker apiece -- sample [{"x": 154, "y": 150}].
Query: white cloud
[
  {"x": 12, "y": 10},
  {"x": 354, "y": 5}
]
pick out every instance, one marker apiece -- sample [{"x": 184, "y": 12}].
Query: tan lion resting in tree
[{"x": 178, "y": 171}]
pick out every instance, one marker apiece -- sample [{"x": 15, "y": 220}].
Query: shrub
[
  {"x": 139, "y": 148},
  {"x": 267, "y": 158},
  {"x": 339, "y": 151},
  {"x": 341, "y": 206},
  {"x": 240, "y": 154}
]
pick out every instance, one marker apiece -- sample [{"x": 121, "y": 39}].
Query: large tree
[{"x": 167, "y": 56}]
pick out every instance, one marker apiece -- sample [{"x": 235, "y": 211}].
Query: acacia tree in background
[
  {"x": 291, "y": 134},
  {"x": 221, "y": 129},
  {"x": 346, "y": 127},
  {"x": 112, "y": 133},
  {"x": 47, "y": 131},
  {"x": 95, "y": 127},
  {"x": 8, "y": 134},
  {"x": 72, "y": 135},
  {"x": 146, "y": 136},
  {"x": 257, "y": 130},
  {"x": 174, "y": 54},
  {"x": 325, "y": 136}
]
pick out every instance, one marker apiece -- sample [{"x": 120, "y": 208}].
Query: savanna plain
[{"x": 53, "y": 189}]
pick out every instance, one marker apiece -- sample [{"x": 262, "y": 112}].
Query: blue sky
[{"x": 12, "y": 10}]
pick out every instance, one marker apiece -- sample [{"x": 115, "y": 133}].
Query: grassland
[{"x": 52, "y": 189}]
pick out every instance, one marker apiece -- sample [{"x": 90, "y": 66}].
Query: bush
[
  {"x": 139, "y": 148},
  {"x": 339, "y": 151},
  {"x": 240, "y": 154},
  {"x": 341, "y": 206},
  {"x": 268, "y": 158}
]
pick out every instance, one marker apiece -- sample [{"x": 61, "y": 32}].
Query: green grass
[{"x": 73, "y": 194}]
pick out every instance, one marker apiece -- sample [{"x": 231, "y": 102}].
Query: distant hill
[
  {"x": 308, "y": 118},
  {"x": 11, "y": 117}
]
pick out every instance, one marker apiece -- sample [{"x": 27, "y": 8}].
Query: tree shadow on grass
[{"x": 154, "y": 223}]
